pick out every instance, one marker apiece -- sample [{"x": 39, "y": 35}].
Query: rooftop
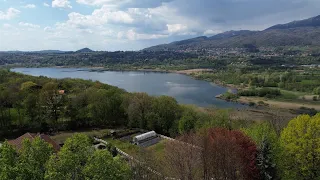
[{"x": 17, "y": 143}]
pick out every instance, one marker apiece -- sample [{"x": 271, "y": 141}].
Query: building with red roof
[{"x": 17, "y": 143}]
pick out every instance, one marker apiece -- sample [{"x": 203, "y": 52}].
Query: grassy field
[
  {"x": 62, "y": 136},
  {"x": 280, "y": 103},
  {"x": 125, "y": 146}
]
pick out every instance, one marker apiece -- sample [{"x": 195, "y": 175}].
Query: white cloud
[
  {"x": 7, "y": 26},
  {"x": 29, "y": 6},
  {"x": 9, "y": 14},
  {"x": 108, "y": 14},
  {"x": 211, "y": 32},
  {"x": 102, "y": 2},
  {"x": 133, "y": 35},
  {"x": 61, "y": 4},
  {"x": 46, "y": 5},
  {"x": 176, "y": 28},
  {"x": 29, "y": 25},
  {"x": 48, "y": 29},
  {"x": 100, "y": 16}
]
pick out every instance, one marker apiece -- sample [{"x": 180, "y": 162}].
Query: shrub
[{"x": 264, "y": 92}]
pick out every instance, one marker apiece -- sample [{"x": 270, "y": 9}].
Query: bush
[
  {"x": 251, "y": 104},
  {"x": 230, "y": 96},
  {"x": 264, "y": 92},
  {"x": 315, "y": 98},
  {"x": 305, "y": 110}
]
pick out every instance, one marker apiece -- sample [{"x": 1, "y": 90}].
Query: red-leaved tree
[{"x": 228, "y": 154}]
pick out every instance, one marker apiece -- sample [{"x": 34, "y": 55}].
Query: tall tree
[
  {"x": 8, "y": 162},
  {"x": 183, "y": 157},
  {"x": 32, "y": 159},
  {"x": 70, "y": 160},
  {"x": 138, "y": 108},
  {"x": 269, "y": 152},
  {"x": 300, "y": 141},
  {"x": 229, "y": 155},
  {"x": 51, "y": 101},
  {"x": 168, "y": 111},
  {"x": 265, "y": 161},
  {"x": 33, "y": 111},
  {"x": 106, "y": 107},
  {"x": 188, "y": 119},
  {"x": 102, "y": 166}
]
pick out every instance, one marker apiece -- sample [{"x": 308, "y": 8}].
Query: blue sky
[{"x": 135, "y": 24}]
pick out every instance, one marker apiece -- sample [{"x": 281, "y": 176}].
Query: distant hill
[
  {"x": 40, "y": 52},
  {"x": 84, "y": 50},
  {"x": 311, "y": 22},
  {"x": 50, "y": 51},
  {"x": 296, "y": 33}
]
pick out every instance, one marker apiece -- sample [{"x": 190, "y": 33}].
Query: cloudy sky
[{"x": 135, "y": 24}]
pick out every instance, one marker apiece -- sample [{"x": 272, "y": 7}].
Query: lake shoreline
[
  {"x": 185, "y": 88},
  {"x": 191, "y": 73}
]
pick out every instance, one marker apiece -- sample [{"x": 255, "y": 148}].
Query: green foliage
[
  {"x": 301, "y": 147},
  {"x": 269, "y": 157},
  {"x": 220, "y": 118},
  {"x": 230, "y": 96},
  {"x": 168, "y": 111},
  {"x": 32, "y": 159},
  {"x": 102, "y": 166},
  {"x": 27, "y": 86},
  {"x": 71, "y": 159},
  {"x": 139, "y": 106},
  {"x": 264, "y": 92},
  {"x": 8, "y": 162},
  {"x": 265, "y": 162},
  {"x": 77, "y": 160},
  {"x": 317, "y": 91},
  {"x": 188, "y": 120}
]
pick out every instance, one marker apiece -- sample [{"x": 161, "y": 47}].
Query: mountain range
[{"x": 297, "y": 33}]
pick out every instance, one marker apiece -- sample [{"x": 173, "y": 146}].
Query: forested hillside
[{"x": 297, "y": 33}]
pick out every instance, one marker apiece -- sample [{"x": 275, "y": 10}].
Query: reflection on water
[{"x": 185, "y": 89}]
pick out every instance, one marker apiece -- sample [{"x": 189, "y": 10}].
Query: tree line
[
  {"x": 40, "y": 104},
  {"x": 77, "y": 159}
]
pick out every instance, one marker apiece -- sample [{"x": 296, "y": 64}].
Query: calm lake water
[{"x": 185, "y": 89}]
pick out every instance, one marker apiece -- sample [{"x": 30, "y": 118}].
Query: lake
[{"x": 185, "y": 89}]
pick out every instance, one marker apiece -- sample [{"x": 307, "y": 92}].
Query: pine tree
[{"x": 265, "y": 161}]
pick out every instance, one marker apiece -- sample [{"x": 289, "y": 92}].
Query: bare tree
[{"x": 184, "y": 158}]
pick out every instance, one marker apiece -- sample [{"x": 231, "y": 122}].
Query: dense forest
[
  {"x": 90, "y": 58},
  {"x": 40, "y": 104}
]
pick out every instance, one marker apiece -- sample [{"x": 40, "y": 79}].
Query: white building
[{"x": 144, "y": 137}]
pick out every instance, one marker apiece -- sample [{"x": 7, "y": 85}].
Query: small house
[{"x": 17, "y": 143}]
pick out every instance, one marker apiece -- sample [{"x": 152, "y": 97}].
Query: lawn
[
  {"x": 125, "y": 146},
  {"x": 62, "y": 136}
]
